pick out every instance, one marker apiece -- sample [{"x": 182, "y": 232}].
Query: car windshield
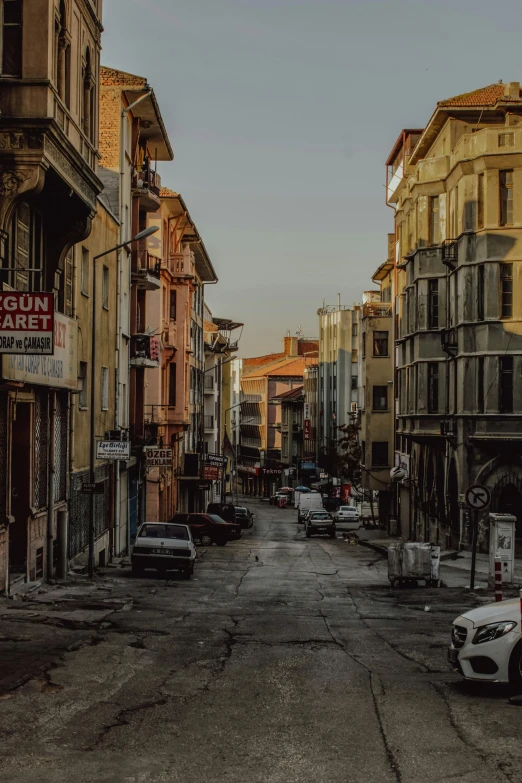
[
  {"x": 217, "y": 520},
  {"x": 164, "y": 531},
  {"x": 320, "y": 515},
  {"x": 241, "y": 510}
]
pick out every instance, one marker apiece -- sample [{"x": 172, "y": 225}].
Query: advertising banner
[
  {"x": 216, "y": 460},
  {"x": 113, "y": 450},
  {"x": 59, "y": 370},
  {"x": 307, "y": 408},
  {"x": 211, "y": 472},
  {"x": 158, "y": 458},
  {"x": 307, "y": 429},
  {"x": 26, "y": 323}
]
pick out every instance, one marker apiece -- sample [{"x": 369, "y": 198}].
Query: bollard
[{"x": 498, "y": 579}]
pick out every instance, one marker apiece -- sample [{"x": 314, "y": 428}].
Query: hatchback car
[
  {"x": 209, "y": 529},
  {"x": 164, "y": 546},
  {"x": 319, "y": 522},
  {"x": 486, "y": 643}
]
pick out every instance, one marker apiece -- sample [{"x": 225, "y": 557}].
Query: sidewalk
[{"x": 455, "y": 566}]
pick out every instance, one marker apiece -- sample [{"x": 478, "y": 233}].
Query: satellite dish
[{"x": 398, "y": 474}]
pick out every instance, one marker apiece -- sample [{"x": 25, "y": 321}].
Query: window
[
  {"x": 506, "y": 197},
  {"x": 506, "y": 139},
  {"x": 434, "y": 221},
  {"x": 363, "y": 452},
  {"x": 364, "y": 345},
  {"x": 26, "y": 249},
  {"x": 380, "y": 343},
  {"x": 433, "y": 387},
  {"x": 354, "y": 330},
  {"x": 173, "y": 305},
  {"x": 105, "y": 388},
  {"x": 172, "y": 384},
  {"x": 12, "y": 38},
  {"x": 82, "y": 386},
  {"x": 480, "y": 292},
  {"x": 380, "y": 454},
  {"x": 506, "y": 290},
  {"x": 480, "y": 384},
  {"x": 480, "y": 201},
  {"x": 354, "y": 383},
  {"x": 105, "y": 287},
  {"x": 380, "y": 398},
  {"x": 85, "y": 272},
  {"x": 505, "y": 401},
  {"x": 433, "y": 304}
]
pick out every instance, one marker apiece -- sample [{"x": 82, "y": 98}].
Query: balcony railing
[
  {"x": 209, "y": 422},
  {"x": 146, "y": 275},
  {"x": 450, "y": 253},
  {"x": 144, "y": 350},
  {"x": 180, "y": 265},
  {"x": 209, "y": 383},
  {"x": 377, "y": 310}
]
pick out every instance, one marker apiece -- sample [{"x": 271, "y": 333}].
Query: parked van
[{"x": 309, "y": 501}]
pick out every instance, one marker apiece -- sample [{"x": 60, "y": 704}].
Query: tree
[{"x": 343, "y": 457}]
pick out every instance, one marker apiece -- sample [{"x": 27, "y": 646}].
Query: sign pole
[
  {"x": 474, "y": 550},
  {"x": 93, "y": 423}
]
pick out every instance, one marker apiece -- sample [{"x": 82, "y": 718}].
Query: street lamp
[{"x": 142, "y": 235}]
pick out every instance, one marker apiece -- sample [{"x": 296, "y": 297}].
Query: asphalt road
[{"x": 284, "y": 660}]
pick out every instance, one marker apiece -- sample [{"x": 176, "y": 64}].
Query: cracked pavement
[{"x": 285, "y": 659}]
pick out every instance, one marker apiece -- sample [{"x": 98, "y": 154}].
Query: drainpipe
[{"x": 50, "y": 485}]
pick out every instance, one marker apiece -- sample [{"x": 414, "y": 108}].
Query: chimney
[
  {"x": 291, "y": 346},
  {"x": 512, "y": 90}
]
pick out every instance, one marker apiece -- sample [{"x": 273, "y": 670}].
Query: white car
[
  {"x": 486, "y": 643},
  {"x": 349, "y": 517},
  {"x": 164, "y": 546}
]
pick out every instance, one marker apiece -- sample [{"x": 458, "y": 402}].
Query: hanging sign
[
  {"x": 158, "y": 458},
  {"x": 26, "y": 323},
  {"x": 113, "y": 450}
]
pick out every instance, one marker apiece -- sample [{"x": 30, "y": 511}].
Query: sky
[{"x": 281, "y": 114}]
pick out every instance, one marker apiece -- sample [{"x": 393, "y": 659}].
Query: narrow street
[{"x": 284, "y": 659}]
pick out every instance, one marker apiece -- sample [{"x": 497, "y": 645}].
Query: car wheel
[
  {"x": 187, "y": 572},
  {"x": 332, "y": 534},
  {"x": 222, "y": 542},
  {"x": 205, "y": 539},
  {"x": 137, "y": 570},
  {"x": 515, "y": 668},
  {"x": 308, "y": 534}
]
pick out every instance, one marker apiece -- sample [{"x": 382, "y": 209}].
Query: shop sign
[
  {"x": 307, "y": 411},
  {"x": 97, "y": 488},
  {"x": 113, "y": 450},
  {"x": 270, "y": 471},
  {"x": 307, "y": 429},
  {"x": 211, "y": 472},
  {"x": 59, "y": 370},
  {"x": 218, "y": 460},
  {"x": 307, "y": 465},
  {"x": 158, "y": 458},
  {"x": 26, "y": 323},
  {"x": 248, "y": 469}
]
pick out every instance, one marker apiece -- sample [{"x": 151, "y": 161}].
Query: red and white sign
[
  {"x": 26, "y": 323},
  {"x": 307, "y": 411},
  {"x": 307, "y": 429},
  {"x": 347, "y": 491}
]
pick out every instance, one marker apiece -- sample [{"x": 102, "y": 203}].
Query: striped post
[{"x": 498, "y": 579}]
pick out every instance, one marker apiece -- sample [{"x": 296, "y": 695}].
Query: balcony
[
  {"x": 377, "y": 310},
  {"x": 146, "y": 276},
  {"x": 450, "y": 253},
  {"x": 449, "y": 341},
  {"x": 179, "y": 265},
  {"x": 146, "y": 186},
  {"x": 209, "y": 384},
  {"x": 144, "y": 351},
  {"x": 209, "y": 423}
]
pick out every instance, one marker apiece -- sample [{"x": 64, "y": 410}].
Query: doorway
[{"x": 20, "y": 489}]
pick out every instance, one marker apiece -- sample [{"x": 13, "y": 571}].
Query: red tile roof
[
  {"x": 284, "y": 367},
  {"x": 291, "y": 394},
  {"x": 261, "y": 361},
  {"x": 168, "y": 193},
  {"x": 485, "y": 96}
]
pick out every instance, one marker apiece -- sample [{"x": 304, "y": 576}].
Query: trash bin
[{"x": 408, "y": 562}]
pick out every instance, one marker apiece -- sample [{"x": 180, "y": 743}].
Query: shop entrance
[{"x": 20, "y": 489}]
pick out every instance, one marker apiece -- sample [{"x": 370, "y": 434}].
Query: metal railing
[
  {"x": 209, "y": 422},
  {"x": 148, "y": 263},
  {"x": 377, "y": 310}
]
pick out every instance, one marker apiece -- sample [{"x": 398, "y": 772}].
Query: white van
[{"x": 309, "y": 501}]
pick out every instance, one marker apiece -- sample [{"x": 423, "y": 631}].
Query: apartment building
[
  {"x": 49, "y": 188},
  {"x": 377, "y": 401},
  {"x": 339, "y": 328},
  {"x": 456, "y": 188}
]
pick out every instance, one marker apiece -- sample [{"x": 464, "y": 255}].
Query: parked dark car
[
  {"x": 223, "y": 510},
  {"x": 209, "y": 528},
  {"x": 243, "y": 516}
]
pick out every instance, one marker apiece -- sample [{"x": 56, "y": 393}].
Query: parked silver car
[
  {"x": 164, "y": 546},
  {"x": 319, "y": 522}
]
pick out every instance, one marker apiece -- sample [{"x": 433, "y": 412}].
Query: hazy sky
[{"x": 281, "y": 114}]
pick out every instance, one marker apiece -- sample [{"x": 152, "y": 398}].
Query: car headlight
[{"x": 488, "y": 633}]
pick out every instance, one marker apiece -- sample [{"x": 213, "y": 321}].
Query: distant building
[{"x": 338, "y": 394}]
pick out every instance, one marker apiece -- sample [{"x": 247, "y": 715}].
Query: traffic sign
[{"x": 478, "y": 497}]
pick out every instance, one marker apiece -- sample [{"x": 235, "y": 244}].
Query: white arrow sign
[{"x": 478, "y": 497}]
